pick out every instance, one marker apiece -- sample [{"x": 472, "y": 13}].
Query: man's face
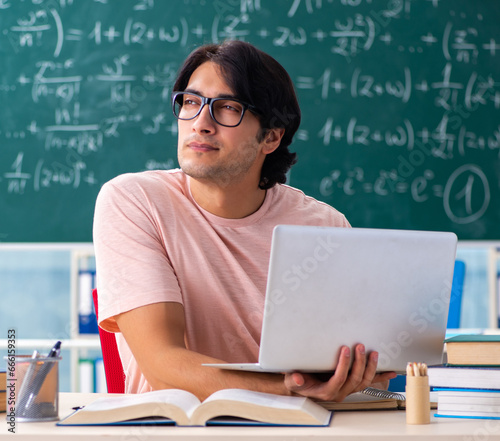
[{"x": 210, "y": 152}]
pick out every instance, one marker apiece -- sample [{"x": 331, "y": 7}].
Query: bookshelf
[
  {"x": 87, "y": 372},
  {"x": 75, "y": 258},
  {"x": 492, "y": 278}
]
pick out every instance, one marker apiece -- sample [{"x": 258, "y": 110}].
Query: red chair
[{"x": 113, "y": 368}]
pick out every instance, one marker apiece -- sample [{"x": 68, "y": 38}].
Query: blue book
[
  {"x": 468, "y": 403},
  {"x": 87, "y": 320},
  {"x": 468, "y": 416}
]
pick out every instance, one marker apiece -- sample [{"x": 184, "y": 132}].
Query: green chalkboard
[{"x": 400, "y": 99}]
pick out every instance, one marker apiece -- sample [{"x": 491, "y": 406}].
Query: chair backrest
[{"x": 113, "y": 368}]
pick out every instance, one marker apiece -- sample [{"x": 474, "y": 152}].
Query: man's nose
[{"x": 204, "y": 121}]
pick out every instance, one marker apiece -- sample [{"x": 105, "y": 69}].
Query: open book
[{"x": 180, "y": 407}]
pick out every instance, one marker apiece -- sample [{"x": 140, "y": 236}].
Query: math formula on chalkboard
[{"x": 400, "y": 104}]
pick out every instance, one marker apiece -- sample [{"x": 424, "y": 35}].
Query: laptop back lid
[{"x": 328, "y": 287}]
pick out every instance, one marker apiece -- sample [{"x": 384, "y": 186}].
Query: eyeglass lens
[{"x": 226, "y": 112}]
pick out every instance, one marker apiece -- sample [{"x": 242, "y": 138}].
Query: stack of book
[{"x": 468, "y": 384}]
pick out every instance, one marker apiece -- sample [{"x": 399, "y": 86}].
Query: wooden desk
[{"x": 373, "y": 426}]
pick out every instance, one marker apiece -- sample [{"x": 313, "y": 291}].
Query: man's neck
[{"x": 231, "y": 202}]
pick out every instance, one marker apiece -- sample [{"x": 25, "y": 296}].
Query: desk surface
[{"x": 372, "y": 425}]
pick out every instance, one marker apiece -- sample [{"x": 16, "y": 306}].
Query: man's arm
[{"x": 155, "y": 335}]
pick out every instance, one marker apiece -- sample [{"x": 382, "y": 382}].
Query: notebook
[{"x": 328, "y": 287}]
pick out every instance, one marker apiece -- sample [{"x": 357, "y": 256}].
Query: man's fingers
[
  {"x": 358, "y": 372},
  {"x": 358, "y": 369},
  {"x": 371, "y": 368},
  {"x": 295, "y": 381},
  {"x": 347, "y": 378}
]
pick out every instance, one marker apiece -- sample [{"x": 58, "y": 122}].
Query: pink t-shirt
[{"x": 154, "y": 243}]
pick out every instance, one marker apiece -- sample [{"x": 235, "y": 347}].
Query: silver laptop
[{"x": 328, "y": 287}]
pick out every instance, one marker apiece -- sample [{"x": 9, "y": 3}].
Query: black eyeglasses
[{"x": 227, "y": 112}]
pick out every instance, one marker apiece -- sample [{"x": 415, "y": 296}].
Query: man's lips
[{"x": 201, "y": 147}]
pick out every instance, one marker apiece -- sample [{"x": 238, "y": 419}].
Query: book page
[
  {"x": 174, "y": 404},
  {"x": 258, "y": 398},
  {"x": 181, "y": 398},
  {"x": 258, "y": 406}
]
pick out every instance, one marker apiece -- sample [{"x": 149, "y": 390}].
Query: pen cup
[
  {"x": 35, "y": 383},
  {"x": 417, "y": 400}
]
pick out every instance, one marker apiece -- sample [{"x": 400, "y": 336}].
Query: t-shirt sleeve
[
  {"x": 345, "y": 222},
  {"x": 132, "y": 266}
]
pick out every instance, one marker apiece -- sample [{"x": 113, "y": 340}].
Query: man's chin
[
  {"x": 196, "y": 171},
  {"x": 220, "y": 177}
]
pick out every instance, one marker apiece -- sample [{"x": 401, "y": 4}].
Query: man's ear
[{"x": 272, "y": 140}]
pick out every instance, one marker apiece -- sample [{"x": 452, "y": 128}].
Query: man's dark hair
[{"x": 257, "y": 79}]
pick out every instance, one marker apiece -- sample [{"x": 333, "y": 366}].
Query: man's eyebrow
[
  {"x": 221, "y": 95},
  {"x": 192, "y": 91}
]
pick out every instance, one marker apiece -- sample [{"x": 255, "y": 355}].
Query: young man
[{"x": 182, "y": 255}]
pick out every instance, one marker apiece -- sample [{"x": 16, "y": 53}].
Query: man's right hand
[{"x": 345, "y": 380}]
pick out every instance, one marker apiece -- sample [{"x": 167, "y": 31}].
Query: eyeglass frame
[{"x": 209, "y": 102}]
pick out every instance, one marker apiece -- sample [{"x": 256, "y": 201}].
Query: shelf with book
[
  {"x": 88, "y": 372},
  {"x": 49, "y": 271},
  {"x": 481, "y": 294}
]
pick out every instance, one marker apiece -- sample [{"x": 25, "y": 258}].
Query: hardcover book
[
  {"x": 468, "y": 377},
  {"x": 474, "y": 349},
  {"x": 175, "y": 406},
  {"x": 468, "y": 403}
]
